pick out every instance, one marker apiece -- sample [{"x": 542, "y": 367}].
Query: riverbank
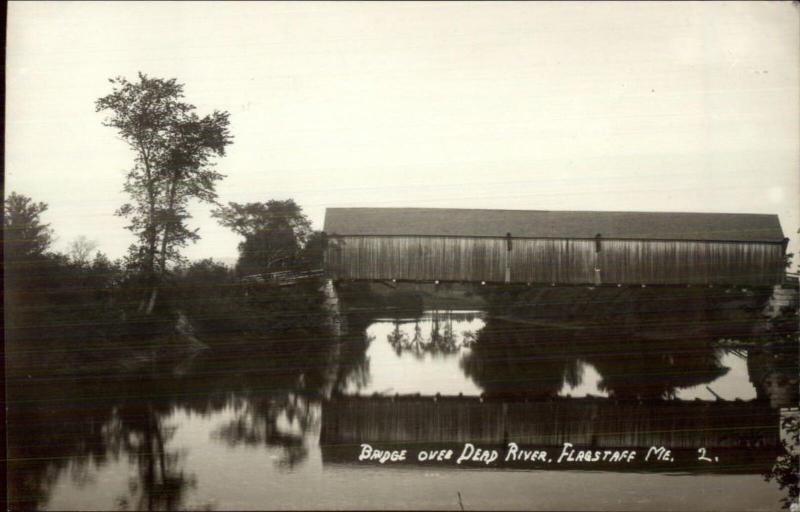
[{"x": 89, "y": 338}]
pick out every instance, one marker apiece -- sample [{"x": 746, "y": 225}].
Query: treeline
[{"x": 78, "y": 311}]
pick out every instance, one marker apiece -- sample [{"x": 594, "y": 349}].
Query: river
[{"x": 230, "y": 431}]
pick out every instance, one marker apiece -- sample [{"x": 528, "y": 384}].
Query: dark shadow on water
[{"x": 274, "y": 391}]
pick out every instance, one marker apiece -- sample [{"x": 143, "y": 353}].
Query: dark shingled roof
[{"x": 742, "y": 227}]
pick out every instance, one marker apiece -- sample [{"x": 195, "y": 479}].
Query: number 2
[{"x": 702, "y": 456}]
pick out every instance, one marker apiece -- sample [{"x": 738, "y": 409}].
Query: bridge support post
[
  {"x": 337, "y": 326},
  {"x": 335, "y": 320},
  {"x": 509, "y": 246}
]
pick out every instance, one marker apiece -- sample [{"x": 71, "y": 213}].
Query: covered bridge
[{"x": 553, "y": 247}]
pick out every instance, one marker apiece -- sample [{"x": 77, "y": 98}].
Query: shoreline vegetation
[{"x": 64, "y": 319}]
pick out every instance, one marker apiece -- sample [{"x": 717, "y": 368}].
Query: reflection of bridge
[
  {"x": 514, "y": 246},
  {"x": 597, "y": 422}
]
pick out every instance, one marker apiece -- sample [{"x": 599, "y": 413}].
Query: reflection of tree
[
  {"x": 47, "y": 437},
  {"x": 633, "y": 368},
  {"x": 161, "y": 484},
  {"x": 646, "y": 343},
  {"x": 446, "y": 343},
  {"x": 397, "y": 338},
  {"x": 81, "y": 423},
  {"x": 468, "y": 339},
  {"x": 274, "y": 421},
  {"x": 363, "y": 308},
  {"x": 573, "y": 373},
  {"x": 78, "y": 428},
  {"x": 417, "y": 341},
  {"x": 512, "y": 360},
  {"x": 354, "y": 369},
  {"x": 442, "y": 338},
  {"x": 523, "y": 359}
]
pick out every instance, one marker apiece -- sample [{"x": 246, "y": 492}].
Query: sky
[{"x": 549, "y": 106}]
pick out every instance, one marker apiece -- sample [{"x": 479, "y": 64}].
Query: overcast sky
[{"x": 562, "y": 106}]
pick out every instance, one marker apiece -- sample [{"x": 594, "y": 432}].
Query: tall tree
[
  {"x": 274, "y": 233},
  {"x": 25, "y": 235},
  {"x": 174, "y": 150}
]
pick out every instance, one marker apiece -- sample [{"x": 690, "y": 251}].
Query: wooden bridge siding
[
  {"x": 417, "y": 258},
  {"x": 561, "y": 261},
  {"x": 552, "y": 261},
  {"x": 687, "y": 262}
]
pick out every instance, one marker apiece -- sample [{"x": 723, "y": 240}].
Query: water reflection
[
  {"x": 584, "y": 382},
  {"x": 76, "y": 440},
  {"x": 282, "y": 422},
  {"x": 417, "y": 355},
  {"x": 241, "y": 427},
  {"x": 436, "y": 332},
  {"x": 466, "y": 353},
  {"x": 139, "y": 431}
]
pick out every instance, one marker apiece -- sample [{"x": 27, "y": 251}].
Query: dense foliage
[
  {"x": 26, "y": 237},
  {"x": 277, "y": 236},
  {"x": 786, "y": 470},
  {"x": 71, "y": 313}
]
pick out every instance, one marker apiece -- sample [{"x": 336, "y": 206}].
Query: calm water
[
  {"x": 231, "y": 431},
  {"x": 427, "y": 355}
]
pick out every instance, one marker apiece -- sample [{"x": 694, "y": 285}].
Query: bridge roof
[{"x": 743, "y": 227}]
